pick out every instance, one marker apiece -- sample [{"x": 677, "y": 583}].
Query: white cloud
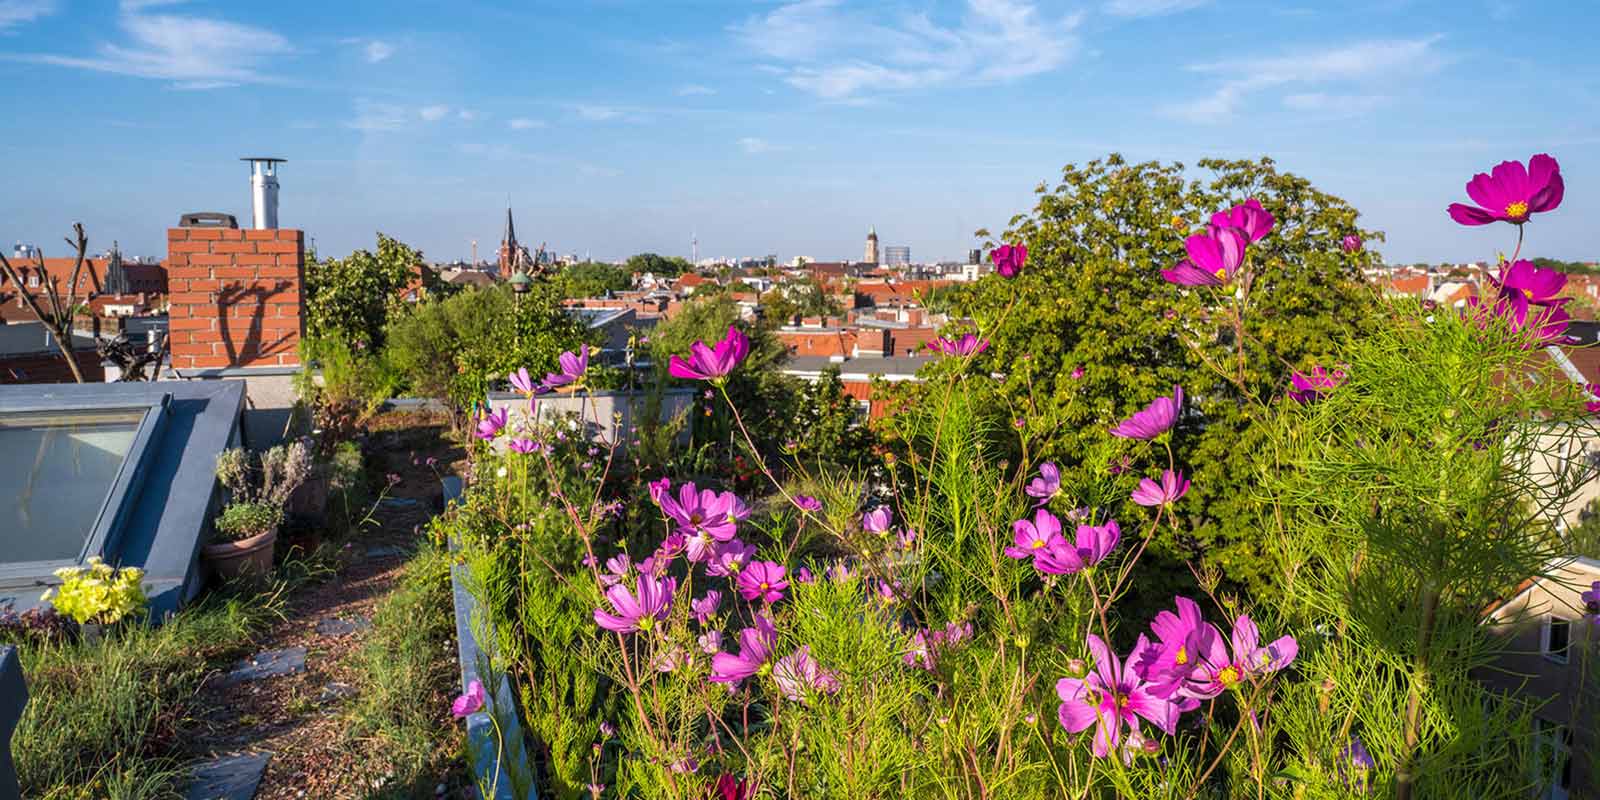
[
  {"x": 468, "y": 115},
  {"x": 525, "y": 124},
  {"x": 599, "y": 113},
  {"x": 1150, "y": 8},
  {"x": 1369, "y": 61},
  {"x": 376, "y": 51},
  {"x": 836, "y": 53},
  {"x": 21, "y": 12},
  {"x": 691, "y": 89},
  {"x": 372, "y": 116},
  {"x": 755, "y": 146},
  {"x": 191, "y": 51},
  {"x": 433, "y": 113},
  {"x": 1333, "y": 105}
]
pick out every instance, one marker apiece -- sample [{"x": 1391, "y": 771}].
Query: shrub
[{"x": 97, "y": 593}]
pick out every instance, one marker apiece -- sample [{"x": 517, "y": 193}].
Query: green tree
[
  {"x": 593, "y": 279},
  {"x": 351, "y": 298},
  {"x": 1092, "y": 297},
  {"x": 659, "y": 264}
]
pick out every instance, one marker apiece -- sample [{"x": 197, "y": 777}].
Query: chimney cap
[{"x": 263, "y": 158}]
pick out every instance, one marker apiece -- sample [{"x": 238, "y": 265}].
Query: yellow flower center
[
  {"x": 1228, "y": 676},
  {"x": 764, "y": 586},
  {"x": 1038, "y": 543},
  {"x": 1178, "y": 223},
  {"x": 1528, "y": 293},
  {"x": 645, "y": 623},
  {"x": 1222, "y": 274},
  {"x": 1122, "y": 700},
  {"x": 1181, "y": 657},
  {"x": 1517, "y": 210}
]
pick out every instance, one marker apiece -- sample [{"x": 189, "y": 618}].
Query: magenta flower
[
  {"x": 1591, "y": 602},
  {"x": 755, "y": 653},
  {"x": 706, "y": 607},
  {"x": 470, "y": 701},
  {"x": 1523, "y": 284},
  {"x": 710, "y": 642},
  {"x": 798, "y": 675},
  {"x": 1249, "y": 217},
  {"x": 1215, "y": 670},
  {"x": 638, "y": 611},
  {"x": 907, "y": 538},
  {"x": 1151, "y": 494},
  {"x": 490, "y": 424},
  {"x": 1038, "y": 536},
  {"x": 1511, "y": 192},
  {"x": 730, "y": 558},
  {"x": 1009, "y": 258},
  {"x": 1089, "y": 547},
  {"x": 1180, "y": 638},
  {"x": 1353, "y": 765},
  {"x": 1592, "y": 403},
  {"x": 1047, "y": 485},
  {"x": 617, "y": 568},
  {"x": 704, "y": 513},
  {"x": 573, "y": 366},
  {"x": 966, "y": 345},
  {"x": 1214, "y": 256},
  {"x": 1156, "y": 418},
  {"x": 803, "y": 575},
  {"x": 1312, "y": 386},
  {"x": 1111, "y": 697},
  {"x": 522, "y": 382},
  {"x": 523, "y": 446},
  {"x": 1351, "y": 243},
  {"x": 707, "y": 364},
  {"x": 807, "y": 503},
  {"x": 764, "y": 580},
  {"x": 879, "y": 520},
  {"x": 1077, "y": 372},
  {"x": 659, "y": 488}
]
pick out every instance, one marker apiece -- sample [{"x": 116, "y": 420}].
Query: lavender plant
[{"x": 959, "y": 629}]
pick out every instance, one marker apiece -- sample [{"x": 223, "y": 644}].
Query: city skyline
[{"x": 787, "y": 128}]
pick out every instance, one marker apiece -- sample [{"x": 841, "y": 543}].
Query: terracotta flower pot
[{"x": 251, "y": 556}]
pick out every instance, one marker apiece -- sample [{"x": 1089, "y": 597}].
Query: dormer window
[{"x": 1555, "y": 638}]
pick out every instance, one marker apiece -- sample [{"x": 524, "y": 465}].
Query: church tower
[
  {"x": 512, "y": 255},
  {"x": 872, "y": 247}
]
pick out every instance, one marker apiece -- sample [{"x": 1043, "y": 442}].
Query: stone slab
[
  {"x": 267, "y": 664},
  {"x": 234, "y": 777},
  {"x": 336, "y": 691},
  {"x": 335, "y": 626}
]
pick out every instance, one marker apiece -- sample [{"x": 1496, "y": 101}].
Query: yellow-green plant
[{"x": 98, "y": 593}]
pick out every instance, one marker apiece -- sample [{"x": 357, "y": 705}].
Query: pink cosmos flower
[
  {"x": 1215, "y": 671},
  {"x": 638, "y": 611},
  {"x": 764, "y": 580},
  {"x": 490, "y": 424},
  {"x": 807, "y": 503},
  {"x": 879, "y": 520},
  {"x": 659, "y": 488},
  {"x": 710, "y": 642},
  {"x": 1592, "y": 404},
  {"x": 707, "y": 364},
  {"x": 1151, "y": 494},
  {"x": 704, "y": 513},
  {"x": 522, "y": 382},
  {"x": 1180, "y": 638},
  {"x": 469, "y": 702},
  {"x": 1077, "y": 372},
  {"x": 1090, "y": 546},
  {"x": 798, "y": 674},
  {"x": 730, "y": 558},
  {"x": 1214, "y": 256},
  {"x": 573, "y": 366},
  {"x": 1313, "y": 385},
  {"x": 1156, "y": 418},
  {"x": 617, "y": 568},
  {"x": 1591, "y": 602},
  {"x": 1009, "y": 258},
  {"x": 1038, "y": 536},
  {"x": 1511, "y": 192},
  {"x": 729, "y": 788},
  {"x": 1249, "y": 217},
  {"x": 1111, "y": 697},
  {"x": 705, "y": 608},
  {"x": 1351, "y": 243},
  {"x": 523, "y": 446},
  {"x": 1047, "y": 485},
  {"x": 755, "y": 653},
  {"x": 1524, "y": 284},
  {"x": 907, "y": 538},
  {"x": 966, "y": 345}
]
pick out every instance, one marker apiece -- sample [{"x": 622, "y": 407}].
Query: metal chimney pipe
[{"x": 263, "y": 191}]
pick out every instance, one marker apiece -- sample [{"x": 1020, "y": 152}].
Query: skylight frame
[{"x": 115, "y": 509}]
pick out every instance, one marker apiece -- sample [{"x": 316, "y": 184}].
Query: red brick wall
[
  {"x": 235, "y": 297},
  {"x": 50, "y": 368}
]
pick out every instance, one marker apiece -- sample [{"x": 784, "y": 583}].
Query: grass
[
  {"x": 102, "y": 718},
  {"x": 407, "y": 672}
]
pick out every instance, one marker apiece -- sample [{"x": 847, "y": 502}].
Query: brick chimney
[{"x": 235, "y": 297}]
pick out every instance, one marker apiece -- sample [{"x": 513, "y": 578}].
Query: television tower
[{"x": 694, "y": 248}]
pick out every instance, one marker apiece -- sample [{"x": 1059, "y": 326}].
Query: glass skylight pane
[{"x": 56, "y": 470}]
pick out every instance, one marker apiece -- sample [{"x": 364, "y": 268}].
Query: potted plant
[{"x": 259, "y": 489}]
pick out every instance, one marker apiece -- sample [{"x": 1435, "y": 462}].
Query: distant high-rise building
[
  {"x": 897, "y": 255},
  {"x": 871, "y": 256},
  {"x": 974, "y": 256}
]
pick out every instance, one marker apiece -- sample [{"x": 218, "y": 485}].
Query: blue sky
[{"x": 786, "y": 127}]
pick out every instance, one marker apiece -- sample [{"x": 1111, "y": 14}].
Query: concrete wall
[{"x": 602, "y": 406}]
